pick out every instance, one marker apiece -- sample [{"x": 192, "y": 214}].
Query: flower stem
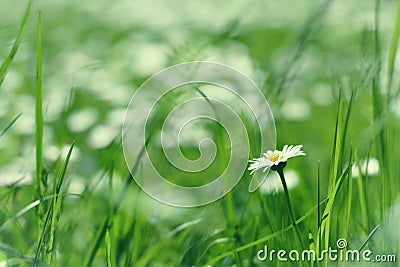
[{"x": 291, "y": 214}]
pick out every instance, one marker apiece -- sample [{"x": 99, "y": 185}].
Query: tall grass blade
[
  {"x": 56, "y": 205},
  {"x": 39, "y": 112},
  {"x": 361, "y": 194},
  {"x": 6, "y": 63},
  {"x": 393, "y": 49},
  {"x": 97, "y": 243},
  {"x": 326, "y": 215},
  {"x": 337, "y": 140},
  {"x": 52, "y": 214},
  {"x": 42, "y": 225},
  {"x": 108, "y": 249},
  {"x": 349, "y": 196},
  {"x": 333, "y": 173},
  {"x": 346, "y": 122},
  {"x": 379, "y": 108}
]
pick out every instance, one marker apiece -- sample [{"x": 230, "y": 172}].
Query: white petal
[
  {"x": 295, "y": 151},
  {"x": 264, "y": 162},
  {"x": 291, "y": 151},
  {"x": 259, "y": 163},
  {"x": 284, "y": 150}
]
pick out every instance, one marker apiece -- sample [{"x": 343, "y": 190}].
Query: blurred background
[{"x": 97, "y": 53}]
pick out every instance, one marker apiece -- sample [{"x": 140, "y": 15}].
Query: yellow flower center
[{"x": 274, "y": 157}]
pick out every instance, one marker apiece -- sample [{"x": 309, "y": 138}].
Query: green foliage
[{"x": 329, "y": 74}]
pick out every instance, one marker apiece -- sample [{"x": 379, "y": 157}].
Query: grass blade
[
  {"x": 39, "y": 111},
  {"x": 10, "y": 125},
  {"x": 324, "y": 228},
  {"x": 348, "y": 205},
  {"x": 42, "y": 225},
  {"x": 361, "y": 195},
  {"x": 378, "y": 113},
  {"x": 31, "y": 206},
  {"x": 17, "y": 254},
  {"x": 19, "y": 214},
  {"x": 56, "y": 204},
  {"x": 393, "y": 48},
  {"x": 108, "y": 249},
  {"x": 96, "y": 245},
  {"x": 261, "y": 240},
  {"x": 6, "y": 64},
  {"x": 52, "y": 213},
  {"x": 368, "y": 238}
]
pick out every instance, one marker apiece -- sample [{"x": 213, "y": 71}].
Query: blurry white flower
[
  {"x": 101, "y": 136},
  {"x": 51, "y": 153},
  {"x": 77, "y": 186},
  {"x": 275, "y": 157},
  {"x": 368, "y": 167},
  {"x": 274, "y": 184},
  {"x": 82, "y": 120},
  {"x": 296, "y": 110}
]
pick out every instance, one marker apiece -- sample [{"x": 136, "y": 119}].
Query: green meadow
[{"x": 328, "y": 69}]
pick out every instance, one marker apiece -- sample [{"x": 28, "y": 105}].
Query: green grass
[
  {"x": 40, "y": 176},
  {"x": 7, "y": 61},
  {"x": 82, "y": 206},
  {"x": 9, "y": 125}
]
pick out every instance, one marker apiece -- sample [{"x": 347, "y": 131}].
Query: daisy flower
[
  {"x": 276, "y": 160},
  {"x": 272, "y": 159}
]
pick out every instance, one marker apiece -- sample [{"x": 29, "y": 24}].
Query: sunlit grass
[
  {"x": 7, "y": 61},
  {"x": 89, "y": 211}
]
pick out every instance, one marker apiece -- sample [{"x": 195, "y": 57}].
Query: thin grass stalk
[
  {"x": 10, "y": 125},
  {"x": 39, "y": 126},
  {"x": 349, "y": 197},
  {"x": 361, "y": 195},
  {"x": 393, "y": 50},
  {"x": 108, "y": 249},
  {"x": 7, "y": 61},
  {"x": 289, "y": 205}
]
